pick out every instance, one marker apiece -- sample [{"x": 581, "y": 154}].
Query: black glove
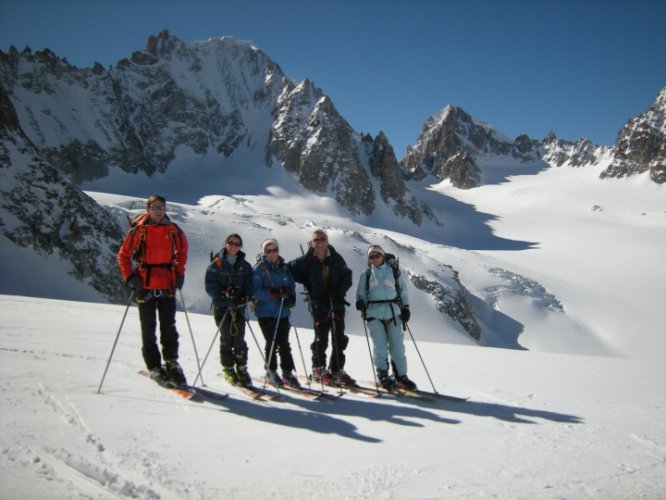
[
  {"x": 180, "y": 281},
  {"x": 290, "y": 301},
  {"x": 405, "y": 314},
  {"x": 360, "y": 305},
  {"x": 134, "y": 282}
]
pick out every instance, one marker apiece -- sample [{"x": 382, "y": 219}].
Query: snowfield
[{"x": 537, "y": 425}]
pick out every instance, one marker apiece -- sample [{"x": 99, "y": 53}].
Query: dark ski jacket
[
  {"x": 227, "y": 284},
  {"x": 325, "y": 281}
]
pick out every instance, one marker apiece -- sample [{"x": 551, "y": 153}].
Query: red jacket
[{"x": 157, "y": 252}]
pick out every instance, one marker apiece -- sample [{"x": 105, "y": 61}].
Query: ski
[
  {"x": 254, "y": 392},
  {"x": 353, "y": 388},
  {"x": 183, "y": 392},
  {"x": 407, "y": 394},
  {"x": 437, "y": 395},
  {"x": 304, "y": 391},
  {"x": 209, "y": 394}
]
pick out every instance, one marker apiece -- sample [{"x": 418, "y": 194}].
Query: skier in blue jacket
[
  {"x": 382, "y": 298},
  {"x": 274, "y": 292}
]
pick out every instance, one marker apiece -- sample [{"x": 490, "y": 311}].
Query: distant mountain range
[{"x": 223, "y": 102}]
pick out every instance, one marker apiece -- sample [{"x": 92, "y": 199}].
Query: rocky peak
[{"x": 641, "y": 144}]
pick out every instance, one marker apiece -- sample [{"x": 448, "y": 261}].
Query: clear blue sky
[{"x": 576, "y": 67}]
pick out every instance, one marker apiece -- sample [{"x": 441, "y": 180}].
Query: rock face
[
  {"x": 453, "y": 145},
  {"x": 641, "y": 144},
  {"x": 219, "y": 98},
  {"x": 42, "y": 210}
]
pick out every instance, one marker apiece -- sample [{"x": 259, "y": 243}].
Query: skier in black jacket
[{"x": 326, "y": 278}]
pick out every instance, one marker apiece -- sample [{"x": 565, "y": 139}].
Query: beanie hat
[
  {"x": 269, "y": 241},
  {"x": 375, "y": 249}
]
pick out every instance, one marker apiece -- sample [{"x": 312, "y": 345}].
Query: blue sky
[{"x": 576, "y": 67}]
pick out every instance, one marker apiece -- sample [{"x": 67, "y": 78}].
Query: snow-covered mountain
[
  {"x": 221, "y": 103},
  {"x": 455, "y": 146},
  {"x": 235, "y": 145}
]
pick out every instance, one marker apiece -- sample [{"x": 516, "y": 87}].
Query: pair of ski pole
[{"x": 122, "y": 322}]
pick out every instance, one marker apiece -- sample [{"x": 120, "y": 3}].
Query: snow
[
  {"x": 567, "y": 390},
  {"x": 537, "y": 425}
]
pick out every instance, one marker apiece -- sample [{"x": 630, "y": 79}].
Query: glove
[
  {"x": 405, "y": 314},
  {"x": 290, "y": 301},
  {"x": 134, "y": 282},
  {"x": 180, "y": 280},
  {"x": 360, "y": 305}
]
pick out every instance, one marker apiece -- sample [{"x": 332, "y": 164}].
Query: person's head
[
  {"x": 233, "y": 243},
  {"x": 375, "y": 255},
  {"x": 270, "y": 249},
  {"x": 319, "y": 240},
  {"x": 156, "y": 206}
]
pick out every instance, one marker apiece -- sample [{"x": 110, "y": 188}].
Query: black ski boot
[
  {"x": 174, "y": 373},
  {"x": 403, "y": 382},
  {"x": 385, "y": 380}
]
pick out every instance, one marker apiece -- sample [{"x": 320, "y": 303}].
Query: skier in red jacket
[{"x": 152, "y": 262}]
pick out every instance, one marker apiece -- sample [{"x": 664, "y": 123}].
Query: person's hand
[
  {"x": 134, "y": 282},
  {"x": 180, "y": 281},
  {"x": 405, "y": 314},
  {"x": 360, "y": 305}
]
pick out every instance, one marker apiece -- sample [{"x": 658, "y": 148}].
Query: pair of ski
[
  {"x": 188, "y": 392},
  {"x": 257, "y": 391},
  {"x": 419, "y": 395}
]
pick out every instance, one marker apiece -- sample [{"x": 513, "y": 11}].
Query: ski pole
[
  {"x": 203, "y": 363},
  {"x": 270, "y": 353},
  {"x": 305, "y": 369},
  {"x": 334, "y": 341},
  {"x": 256, "y": 342},
  {"x": 420, "y": 357},
  {"x": 129, "y": 302},
  {"x": 367, "y": 339},
  {"x": 194, "y": 345}
]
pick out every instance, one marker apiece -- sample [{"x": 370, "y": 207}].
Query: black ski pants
[
  {"x": 163, "y": 307},
  {"x": 233, "y": 348},
  {"x": 282, "y": 346},
  {"x": 322, "y": 326}
]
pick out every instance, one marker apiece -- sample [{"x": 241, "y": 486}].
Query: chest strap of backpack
[{"x": 140, "y": 253}]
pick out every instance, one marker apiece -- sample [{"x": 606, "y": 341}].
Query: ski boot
[
  {"x": 244, "y": 377},
  {"x": 403, "y": 382},
  {"x": 289, "y": 379},
  {"x": 385, "y": 380},
  {"x": 174, "y": 373},
  {"x": 159, "y": 375},
  {"x": 273, "y": 378},
  {"x": 230, "y": 375},
  {"x": 343, "y": 378}
]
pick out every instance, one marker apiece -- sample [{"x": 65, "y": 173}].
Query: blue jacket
[
  {"x": 325, "y": 281},
  {"x": 267, "y": 278},
  {"x": 381, "y": 287},
  {"x": 222, "y": 277}
]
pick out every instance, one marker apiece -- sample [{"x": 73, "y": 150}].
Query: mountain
[
  {"x": 40, "y": 209},
  {"x": 220, "y": 102},
  {"x": 237, "y": 146},
  {"x": 452, "y": 145},
  {"x": 641, "y": 144}
]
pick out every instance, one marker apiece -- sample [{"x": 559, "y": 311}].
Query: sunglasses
[
  {"x": 375, "y": 256},
  {"x": 158, "y": 208},
  {"x": 234, "y": 243},
  {"x": 319, "y": 240},
  {"x": 271, "y": 250}
]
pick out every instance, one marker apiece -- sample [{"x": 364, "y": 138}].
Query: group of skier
[{"x": 152, "y": 262}]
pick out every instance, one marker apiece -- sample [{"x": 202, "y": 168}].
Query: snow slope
[{"x": 538, "y": 425}]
